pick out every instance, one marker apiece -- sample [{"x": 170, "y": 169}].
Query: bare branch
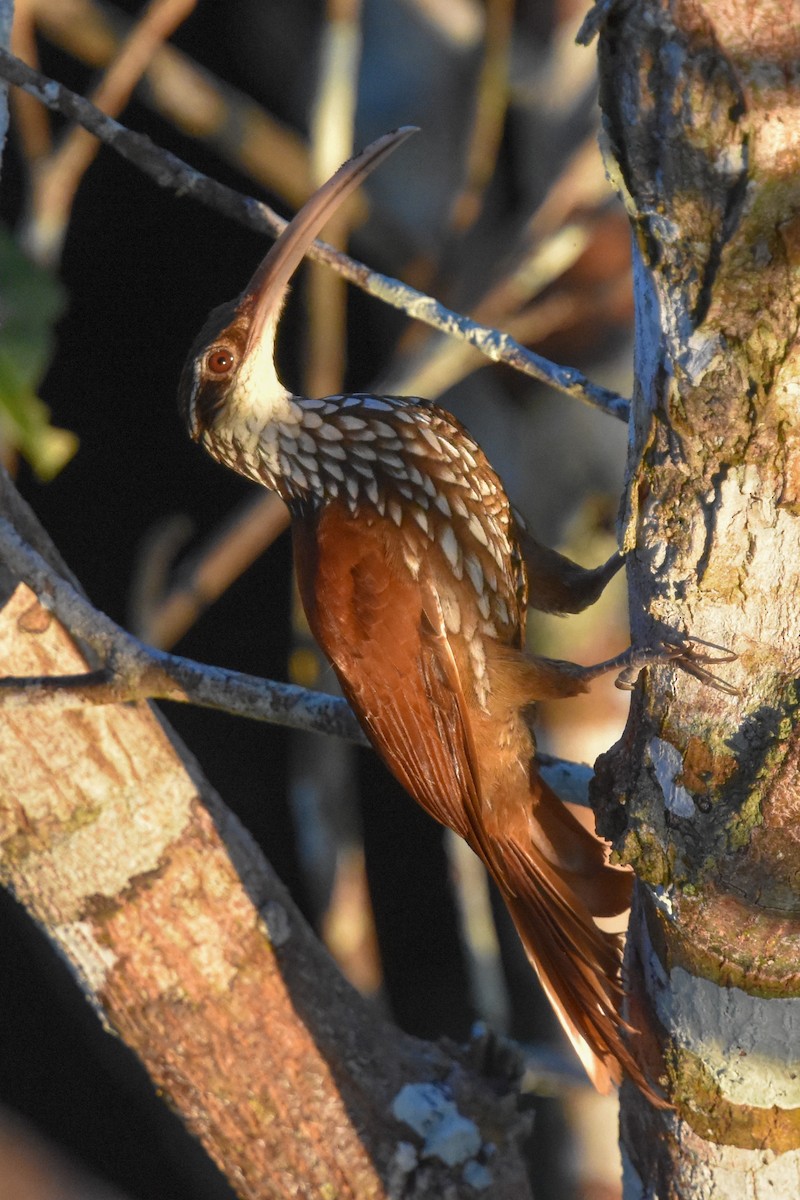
[
  {"x": 491, "y": 106},
  {"x": 563, "y": 228},
  {"x": 130, "y": 670},
  {"x": 193, "y": 99},
  {"x": 332, "y": 136},
  {"x": 126, "y": 669},
  {"x": 31, "y": 122},
  {"x": 162, "y": 619},
  {"x": 56, "y": 181},
  {"x": 167, "y": 170}
]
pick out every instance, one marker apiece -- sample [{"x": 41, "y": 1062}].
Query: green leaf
[{"x": 31, "y": 301}]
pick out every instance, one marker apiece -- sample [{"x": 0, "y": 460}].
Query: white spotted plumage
[{"x": 406, "y": 462}]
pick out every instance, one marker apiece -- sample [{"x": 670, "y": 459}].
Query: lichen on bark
[{"x": 701, "y": 114}]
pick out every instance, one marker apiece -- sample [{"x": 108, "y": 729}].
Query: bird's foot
[
  {"x": 694, "y": 655},
  {"x": 690, "y": 654}
]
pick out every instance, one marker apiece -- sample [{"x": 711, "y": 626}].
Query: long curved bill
[{"x": 269, "y": 283}]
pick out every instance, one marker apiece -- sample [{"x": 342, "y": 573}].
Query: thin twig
[
  {"x": 169, "y": 171},
  {"x": 332, "y": 132},
  {"x": 557, "y": 235},
  {"x": 55, "y": 184},
  {"x": 491, "y": 106},
  {"x": 202, "y": 579},
  {"x": 31, "y": 121},
  {"x": 439, "y": 363},
  {"x": 190, "y": 97}
]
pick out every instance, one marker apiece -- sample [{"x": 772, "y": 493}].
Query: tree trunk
[{"x": 701, "y": 105}]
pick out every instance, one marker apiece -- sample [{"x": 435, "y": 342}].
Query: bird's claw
[
  {"x": 693, "y": 656},
  {"x": 685, "y": 654}
]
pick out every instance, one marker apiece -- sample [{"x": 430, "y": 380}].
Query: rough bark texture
[
  {"x": 195, "y": 956},
  {"x": 701, "y": 105}
]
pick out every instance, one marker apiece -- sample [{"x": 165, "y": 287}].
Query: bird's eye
[{"x": 219, "y": 361}]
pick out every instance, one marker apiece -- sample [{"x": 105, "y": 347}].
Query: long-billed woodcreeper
[{"x": 416, "y": 574}]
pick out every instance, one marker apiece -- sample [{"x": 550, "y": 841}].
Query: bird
[{"x": 416, "y": 574}]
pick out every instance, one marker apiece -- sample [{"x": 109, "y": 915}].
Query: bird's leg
[
  {"x": 632, "y": 662},
  {"x": 526, "y": 678},
  {"x": 558, "y": 585}
]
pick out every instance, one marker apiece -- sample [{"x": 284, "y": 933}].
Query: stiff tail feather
[{"x": 553, "y": 897}]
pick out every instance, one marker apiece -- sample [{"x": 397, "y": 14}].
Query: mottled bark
[
  {"x": 194, "y": 954},
  {"x": 701, "y": 105}
]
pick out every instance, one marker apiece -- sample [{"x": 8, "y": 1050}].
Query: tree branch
[
  {"x": 56, "y": 178},
  {"x": 168, "y": 171},
  {"x": 161, "y": 616},
  {"x": 125, "y": 669},
  {"x": 191, "y": 98},
  {"x": 130, "y": 670}
]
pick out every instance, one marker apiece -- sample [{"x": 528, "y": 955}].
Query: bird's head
[{"x": 230, "y": 371}]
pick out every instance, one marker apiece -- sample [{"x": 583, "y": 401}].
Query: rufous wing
[{"x": 394, "y": 667}]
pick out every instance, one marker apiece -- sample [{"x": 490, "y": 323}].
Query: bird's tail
[{"x": 555, "y": 883}]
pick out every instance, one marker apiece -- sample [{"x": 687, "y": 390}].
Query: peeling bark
[{"x": 701, "y": 104}]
